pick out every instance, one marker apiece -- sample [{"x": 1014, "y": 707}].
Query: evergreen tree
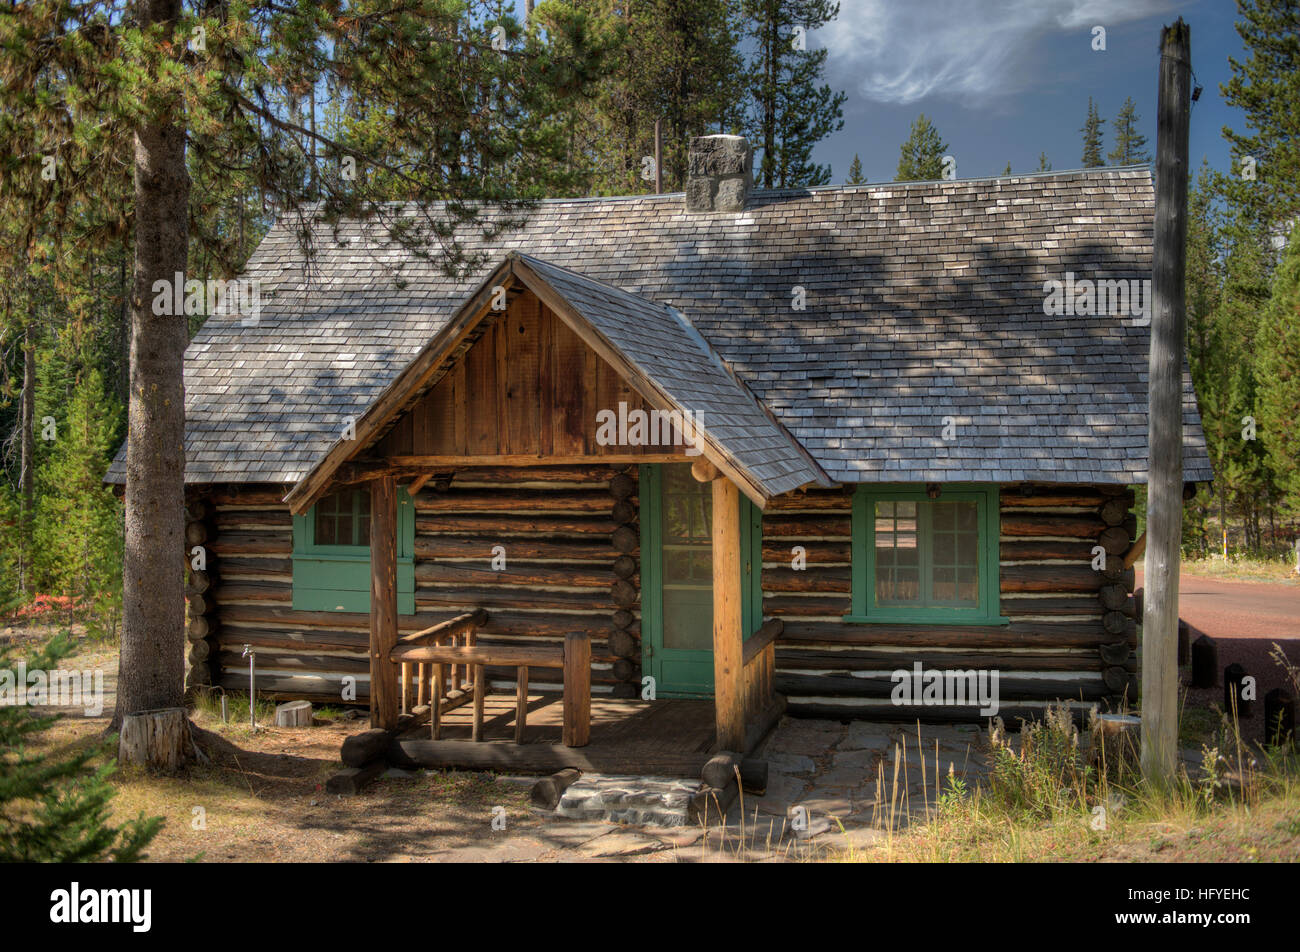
[
  {"x": 1092, "y": 138},
  {"x": 855, "y": 172},
  {"x": 1130, "y": 145},
  {"x": 791, "y": 108},
  {"x": 1043, "y": 164},
  {"x": 921, "y": 156},
  {"x": 54, "y": 807},
  {"x": 1279, "y": 375},
  {"x": 1007, "y": 170}
]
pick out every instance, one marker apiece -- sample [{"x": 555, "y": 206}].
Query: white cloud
[{"x": 899, "y": 51}]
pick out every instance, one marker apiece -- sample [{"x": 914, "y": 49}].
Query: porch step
[{"x": 639, "y": 801}]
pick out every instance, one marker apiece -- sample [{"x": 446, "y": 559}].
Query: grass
[{"x": 1244, "y": 568}]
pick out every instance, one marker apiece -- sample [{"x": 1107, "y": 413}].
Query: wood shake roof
[{"x": 924, "y": 306}]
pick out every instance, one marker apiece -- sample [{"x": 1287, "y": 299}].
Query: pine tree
[
  {"x": 1266, "y": 87},
  {"x": 855, "y": 172},
  {"x": 921, "y": 156},
  {"x": 1130, "y": 145},
  {"x": 1043, "y": 164},
  {"x": 1007, "y": 170},
  {"x": 791, "y": 109},
  {"x": 1279, "y": 374},
  {"x": 1092, "y": 138},
  {"x": 54, "y": 807}
]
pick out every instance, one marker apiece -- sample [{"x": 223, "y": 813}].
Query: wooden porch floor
[{"x": 670, "y": 737}]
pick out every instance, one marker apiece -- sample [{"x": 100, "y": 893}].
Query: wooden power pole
[{"x": 1165, "y": 421}]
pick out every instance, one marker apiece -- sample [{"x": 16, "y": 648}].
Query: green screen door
[{"x": 677, "y": 592}]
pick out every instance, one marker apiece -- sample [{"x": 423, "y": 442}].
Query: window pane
[{"x": 926, "y": 553}]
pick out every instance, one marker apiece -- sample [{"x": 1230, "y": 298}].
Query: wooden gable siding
[
  {"x": 529, "y": 386},
  {"x": 557, "y": 524}
]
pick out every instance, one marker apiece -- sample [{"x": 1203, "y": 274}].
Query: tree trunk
[
  {"x": 26, "y": 466},
  {"x": 159, "y": 739},
  {"x": 151, "y": 671}
]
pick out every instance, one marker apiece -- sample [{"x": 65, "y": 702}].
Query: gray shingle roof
[{"x": 924, "y": 301}]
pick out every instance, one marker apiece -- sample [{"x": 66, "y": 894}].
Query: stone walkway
[{"x": 831, "y": 784}]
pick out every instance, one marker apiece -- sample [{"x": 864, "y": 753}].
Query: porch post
[
  {"x": 728, "y": 635},
  {"x": 383, "y": 602}
]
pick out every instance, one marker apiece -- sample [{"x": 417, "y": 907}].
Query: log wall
[
  {"x": 1072, "y": 633},
  {"x": 569, "y": 536},
  {"x": 571, "y": 540}
]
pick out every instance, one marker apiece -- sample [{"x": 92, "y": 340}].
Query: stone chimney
[{"x": 720, "y": 173}]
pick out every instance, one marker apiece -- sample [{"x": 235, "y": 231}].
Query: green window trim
[
  {"x": 336, "y": 578},
  {"x": 864, "y": 607}
]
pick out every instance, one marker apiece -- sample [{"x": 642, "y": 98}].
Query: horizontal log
[
  {"x": 814, "y": 553},
  {"x": 250, "y": 495},
  {"x": 257, "y": 568},
  {"x": 623, "y": 511},
  {"x": 1082, "y": 604},
  {"x": 230, "y": 659},
  {"x": 804, "y": 605},
  {"x": 1027, "y": 634},
  {"x": 624, "y": 594},
  {"x": 534, "y": 474},
  {"x": 1114, "y": 511},
  {"x": 513, "y": 500},
  {"x": 199, "y": 627},
  {"x": 1010, "y": 690},
  {"x": 251, "y": 543},
  {"x": 304, "y": 639},
  {"x": 463, "y": 598},
  {"x": 623, "y": 645},
  {"x": 625, "y": 567},
  {"x": 1062, "y": 577},
  {"x": 515, "y": 573},
  {"x": 438, "y": 547},
  {"x": 1011, "y": 714},
  {"x": 625, "y": 540},
  {"x": 229, "y": 592},
  {"x": 796, "y": 525},
  {"x": 815, "y": 578},
  {"x": 503, "y": 527},
  {"x": 623, "y": 486},
  {"x": 327, "y": 688},
  {"x": 1084, "y": 498},
  {"x": 232, "y": 520},
  {"x": 867, "y": 659},
  {"x": 1040, "y": 549},
  {"x": 196, "y": 533},
  {"x": 1085, "y": 526},
  {"x": 1115, "y": 540},
  {"x": 197, "y": 582}
]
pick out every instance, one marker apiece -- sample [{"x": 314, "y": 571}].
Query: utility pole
[{"x": 1165, "y": 417}]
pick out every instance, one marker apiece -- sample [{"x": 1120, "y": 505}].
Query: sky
[{"x": 1004, "y": 80}]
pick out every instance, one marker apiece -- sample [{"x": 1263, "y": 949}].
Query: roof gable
[{"x": 652, "y": 347}]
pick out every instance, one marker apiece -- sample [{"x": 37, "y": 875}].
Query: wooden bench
[{"x": 573, "y": 657}]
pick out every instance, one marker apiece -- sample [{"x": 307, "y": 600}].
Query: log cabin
[{"x": 679, "y": 463}]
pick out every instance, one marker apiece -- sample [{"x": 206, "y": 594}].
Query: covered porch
[{"x": 479, "y": 398}]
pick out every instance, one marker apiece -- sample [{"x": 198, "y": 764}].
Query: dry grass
[{"x": 1243, "y": 569}]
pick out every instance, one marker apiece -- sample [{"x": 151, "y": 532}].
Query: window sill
[{"x": 925, "y": 622}]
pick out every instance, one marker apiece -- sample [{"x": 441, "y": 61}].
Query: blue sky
[{"x": 1004, "y": 80}]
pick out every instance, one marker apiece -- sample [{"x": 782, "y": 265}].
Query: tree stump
[
  {"x": 159, "y": 739},
  {"x": 293, "y": 714}
]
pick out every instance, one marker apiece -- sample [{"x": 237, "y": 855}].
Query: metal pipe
[{"x": 251, "y": 655}]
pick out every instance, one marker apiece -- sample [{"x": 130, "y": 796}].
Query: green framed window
[
  {"x": 331, "y": 554},
  {"x": 926, "y": 561}
]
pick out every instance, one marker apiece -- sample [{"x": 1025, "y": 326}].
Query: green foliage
[
  {"x": 1279, "y": 375},
  {"x": 791, "y": 109},
  {"x": 1049, "y": 775},
  {"x": 1130, "y": 145},
  {"x": 855, "y": 172},
  {"x": 78, "y": 530},
  {"x": 921, "y": 156},
  {"x": 54, "y": 807},
  {"x": 1043, "y": 164},
  {"x": 1092, "y": 133}
]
